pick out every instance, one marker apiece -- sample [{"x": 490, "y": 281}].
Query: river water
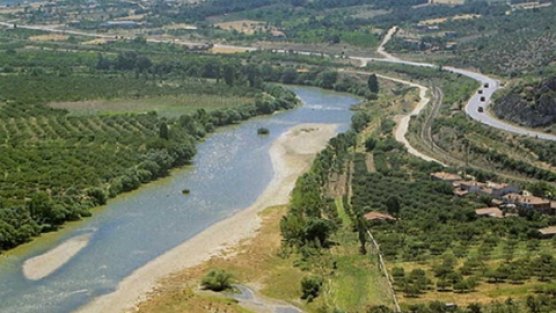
[
  {"x": 231, "y": 169},
  {"x": 15, "y": 2}
]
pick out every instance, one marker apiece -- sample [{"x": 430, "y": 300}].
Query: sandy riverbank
[
  {"x": 291, "y": 155},
  {"x": 47, "y": 263}
]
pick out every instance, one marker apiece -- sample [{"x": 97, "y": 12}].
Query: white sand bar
[{"x": 40, "y": 266}]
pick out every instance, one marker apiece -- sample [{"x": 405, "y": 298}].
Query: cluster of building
[{"x": 508, "y": 200}]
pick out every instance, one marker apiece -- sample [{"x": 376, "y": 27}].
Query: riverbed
[{"x": 230, "y": 171}]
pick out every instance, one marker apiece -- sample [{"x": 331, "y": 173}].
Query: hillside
[
  {"x": 496, "y": 38},
  {"x": 532, "y": 105}
]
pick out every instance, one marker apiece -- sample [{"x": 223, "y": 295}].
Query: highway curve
[{"x": 488, "y": 87}]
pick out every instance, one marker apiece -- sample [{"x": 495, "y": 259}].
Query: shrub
[
  {"x": 379, "y": 309},
  {"x": 370, "y": 144},
  {"x": 318, "y": 231},
  {"x": 398, "y": 273},
  {"x": 263, "y": 131},
  {"x": 217, "y": 280},
  {"x": 310, "y": 287},
  {"x": 98, "y": 195}
]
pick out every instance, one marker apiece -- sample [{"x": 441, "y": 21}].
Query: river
[
  {"x": 15, "y": 2},
  {"x": 231, "y": 169}
]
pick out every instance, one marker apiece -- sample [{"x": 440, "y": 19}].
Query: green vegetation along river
[{"x": 231, "y": 169}]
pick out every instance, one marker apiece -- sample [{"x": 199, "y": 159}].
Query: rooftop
[
  {"x": 492, "y": 212},
  {"x": 514, "y": 197},
  {"x": 378, "y": 216},
  {"x": 497, "y": 202},
  {"x": 487, "y": 190},
  {"x": 446, "y": 176},
  {"x": 494, "y": 185},
  {"x": 469, "y": 183},
  {"x": 550, "y": 230}
]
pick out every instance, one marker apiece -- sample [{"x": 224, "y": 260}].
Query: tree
[
  {"x": 372, "y": 83},
  {"x": 333, "y": 39},
  {"x": 164, "y": 132},
  {"x": 289, "y": 76},
  {"x": 497, "y": 275},
  {"x": 419, "y": 279},
  {"x": 126, "y": 60},
  {"x": 318, "y": 230},
  {"x": 393, "y": 205},
  {"x": 229, "y": 74},
  {"x": 298, "y": 3},
  {"x": 411, "y": 291},
  {"x": 143, "y": 63},
  {"x": 362, "y": 234},
  {"x": 532, "y": 305},
  {"x": 370, "y": 144},
  {"x": 140, "y": 40},
  {"x": 379, "y": 309},
  {"x": 217, "y": 280},
  {"x": 253, "y": 75},
  {"x": 442, "y": 284},
  {"x": 437, "y": 307},
  {"x": 541, "y": 189},
  {"x": 517, "y": 276},
  {"x": 472, "y": 282},
  {"x": 444, "y": 269},
  {"x": 41, "y": 208},
  {"x": 102, "y": 63},
  {"x": 97, "y": 195},
  {"x": 359, "y": 121},
  {"x": 310, "y": 287},
  {"x": 461, "y": 286},
  {"x": 291, "y": 228},
  {"x": 398, "y": 273},
  {"x": 327, "y": 79},
  {"x": 474, "y": 308},
  {"x": 544, "y": 267}
]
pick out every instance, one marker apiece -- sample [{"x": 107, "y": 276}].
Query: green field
[{"x": 168, "y": 106}]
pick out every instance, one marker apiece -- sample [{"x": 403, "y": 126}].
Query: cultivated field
[
  {"x": 248, "y": 27},
  {"x": 173, "y": 105}
]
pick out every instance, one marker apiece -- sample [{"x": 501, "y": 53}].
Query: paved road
[{"x": 472, "y": 107}]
